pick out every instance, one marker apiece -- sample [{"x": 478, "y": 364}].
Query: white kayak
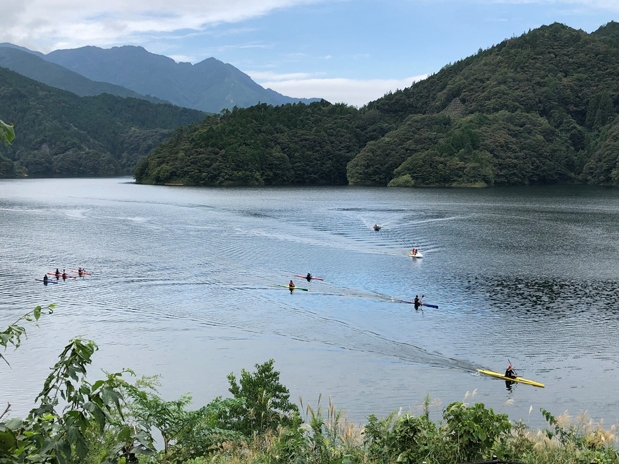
[{"x": 418, "y": 255}]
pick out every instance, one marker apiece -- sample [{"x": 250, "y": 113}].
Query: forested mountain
[
  {"x": 35, "y": 67},
  {"x": 59, "y": 134},
  {"x": 210, "y": 85},
  {"x": 537, "y": 109}
]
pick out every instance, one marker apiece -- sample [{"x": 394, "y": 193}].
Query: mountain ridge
[
  {"x": 210, "y": 85},
  {"x": 34, "y": 66}
]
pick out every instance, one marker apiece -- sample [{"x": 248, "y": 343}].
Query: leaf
[
  {"x": 7, "y": 442},
  {"x": 7, "y": 133},
  {"x": 81, "y": 447}
]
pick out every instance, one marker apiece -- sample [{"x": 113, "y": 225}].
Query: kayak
[
  {"x": 422, "y": 304},
  {"x": 510, "y": 379},
  {"x": 60, "y": 275},
  {"x": 83, "y": 272},
  {"x": 418, "y": 255},
  {"x": 311, "y": 278},
  {"x": 293, "y": 288},
  {"x": 49, "y": 281}
]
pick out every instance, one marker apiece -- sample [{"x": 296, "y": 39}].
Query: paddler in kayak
[
  {"x": 64, "y": 275},
  {"x": 417, "y": 302},
  {"x": 510, "y": 372},
  {"x": 308, "y": 277},
  {"x": 45, "y": 279},
  {"x": 291, "y": 285}
]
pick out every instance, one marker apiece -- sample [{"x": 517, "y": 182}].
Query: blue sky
[{"x": 349, "y": 51}]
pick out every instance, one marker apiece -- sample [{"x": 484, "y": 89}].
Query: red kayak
[
  {"x": 66, "y": 276},
  {"x": 83, "y": 272},
  {"x": 311, "y": 278}
]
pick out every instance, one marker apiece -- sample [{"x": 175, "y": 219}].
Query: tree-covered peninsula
[
  {"x": 59, "y": 134},
  {"x": 537, "y": 109}
]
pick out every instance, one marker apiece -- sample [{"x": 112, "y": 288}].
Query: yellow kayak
[{"x": 510, "y": 379}]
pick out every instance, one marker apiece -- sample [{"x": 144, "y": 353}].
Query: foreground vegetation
[
  {"x": 112, "y": 420},
  {"x": 537, "y": 109}
]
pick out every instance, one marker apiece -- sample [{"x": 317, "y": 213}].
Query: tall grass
[{"x": 327, "y": 436}]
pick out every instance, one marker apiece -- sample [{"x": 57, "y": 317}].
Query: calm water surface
[{"x": 185, "y": 285}]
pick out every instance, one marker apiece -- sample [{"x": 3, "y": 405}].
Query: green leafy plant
[
  {"x": 265, "y": 402},
  {"x": 406, "y": 438},
  {"x": 55, "y": 433},
  {"x": 60, "y": 426},
  {"x": 186, "y": 434},
  {"x": 13, "y": 333},
  {"x": 7, "y": 133},
  {"x": 474, "y": 430}
]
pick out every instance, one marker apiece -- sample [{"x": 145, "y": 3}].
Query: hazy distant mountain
[
  {"x": 210, "y": 85},
  {"x": 23, "y": 49},
  {"x": 31, "y": 64}
]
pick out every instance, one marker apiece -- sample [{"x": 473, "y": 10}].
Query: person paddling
[
  {"x": 308, "y": 277},
  {"x": 510, "y": 372},
  {"x": 417, "y": 302},
  {"x": 45, "y": 279},
  {"x": 64, "y": 275}
]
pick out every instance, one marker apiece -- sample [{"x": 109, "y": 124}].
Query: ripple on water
[{"x": 186, "y": 281}]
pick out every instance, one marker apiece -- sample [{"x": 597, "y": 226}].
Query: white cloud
[
  {"x": 51, "y": 24},
  {"x": 48, "y": 24},
  {"x": 183, "y": 58},
  {"x": 272, "y": 76},
  {"x": 350, "y": 91}
]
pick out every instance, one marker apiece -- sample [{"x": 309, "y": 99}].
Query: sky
[{"x": 351, "y": 51}]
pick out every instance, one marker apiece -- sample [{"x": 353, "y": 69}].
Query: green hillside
[
  {"x": 59, "y": 134},
  {"x": 563, "y": 76},
  {"x": 537, "y": 109},
  {"x": 291, "y": 144}
]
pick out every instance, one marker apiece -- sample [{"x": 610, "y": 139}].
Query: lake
[{"x": 187, "y": 284}]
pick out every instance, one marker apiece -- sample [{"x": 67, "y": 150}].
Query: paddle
[{"x": 514, "y": 370}]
